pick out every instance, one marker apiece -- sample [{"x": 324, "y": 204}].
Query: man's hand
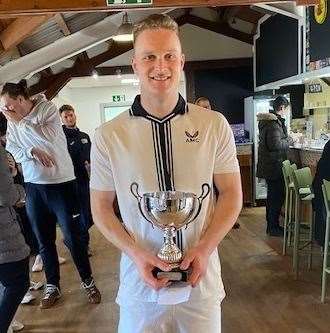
[
  {"x": 12, "y": 165},
  {"x": 11, "y": 116},
  {"x": 88, "y": 168},
  {"x": 145, "y": 263},
  {"x": 42, "y": 157},
  {"x": 197, "y": 259}
]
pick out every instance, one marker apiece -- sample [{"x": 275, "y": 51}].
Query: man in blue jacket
[{"x": 79, "y": 146}]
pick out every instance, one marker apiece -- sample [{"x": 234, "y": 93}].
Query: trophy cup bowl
[{"x": 170, "y": 211}]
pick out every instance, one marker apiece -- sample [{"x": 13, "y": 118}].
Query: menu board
[{"x": 317, "y": 36}]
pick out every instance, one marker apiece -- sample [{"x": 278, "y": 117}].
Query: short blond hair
[{"x": 155, "y": 21}]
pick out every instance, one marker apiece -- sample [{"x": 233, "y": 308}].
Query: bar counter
[{"x": 305, "y": 157}]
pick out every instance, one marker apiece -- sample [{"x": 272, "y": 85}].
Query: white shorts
[{"x": 203, "y": 316}]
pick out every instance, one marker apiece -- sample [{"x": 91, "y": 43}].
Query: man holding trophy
[{"x": 160, "y": 158}]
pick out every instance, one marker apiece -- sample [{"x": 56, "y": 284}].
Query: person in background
[
  {"x": 203, "y": 102},
  {"x": 36, "y": 140},
  {"x": 14, "y": 252},
  {"x": 322, "y": 172},
  {"x": 274, "y": 144},
  {"x": 79, "y": 146}
]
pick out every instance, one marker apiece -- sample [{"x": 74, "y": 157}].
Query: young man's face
[
  {"x": 158, "y": 62},
  {"x": 283, "y": 110},
  {"x": 14, "y": 104},
  {"x": 69, "y": 118}
]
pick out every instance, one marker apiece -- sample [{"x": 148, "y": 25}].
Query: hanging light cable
[{"x": 125, "y": 31}]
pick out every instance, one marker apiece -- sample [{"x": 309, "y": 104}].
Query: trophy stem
[{"x": 170, "y": 253}]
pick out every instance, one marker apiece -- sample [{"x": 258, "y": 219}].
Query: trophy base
[{"x": 175, "y": 275}]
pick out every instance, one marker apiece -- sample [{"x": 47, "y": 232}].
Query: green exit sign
[
  {"x": 118, "y": 98},
  {"x": 128, "y": 2}
]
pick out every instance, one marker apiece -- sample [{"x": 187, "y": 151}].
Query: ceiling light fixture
[
  {"x": 125, "y": 31},
  {"x": 95, "y": 74}
]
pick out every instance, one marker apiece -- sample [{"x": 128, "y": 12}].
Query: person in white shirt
[
  {"x": 36, "y": 140},
  {"x": 164, "y": 144}
]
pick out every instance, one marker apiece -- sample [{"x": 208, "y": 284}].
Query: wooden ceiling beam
[
  {"x": 62, "y": 24},
  {"x": 19, "y": 7},
  {"x": 222, "y": 28},
  {"x": 249, "y": 15},
  {"x": 19, "y": 29},
  {"x": 83, "y": 67}
]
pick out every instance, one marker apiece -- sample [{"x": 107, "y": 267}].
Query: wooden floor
[{"x": 261, "y": 293}]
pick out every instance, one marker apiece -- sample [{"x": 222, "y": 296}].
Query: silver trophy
[{"x": 170, "y": 211}]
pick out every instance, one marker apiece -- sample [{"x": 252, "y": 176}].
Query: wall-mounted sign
[
  {"x": 128, "y": 2},
  {"x": 118, "y": 98},
  {"x": 314, "y": 88},
  {"x": 321, "y": 11}
]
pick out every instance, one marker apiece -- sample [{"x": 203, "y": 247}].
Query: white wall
[{"x": 87, "y": 102}]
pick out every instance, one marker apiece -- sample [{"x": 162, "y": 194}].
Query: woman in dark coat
[
  {"x": 322, "y": 172},
  {"x": 273, "y": 147}
]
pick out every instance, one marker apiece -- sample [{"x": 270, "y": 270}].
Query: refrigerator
[{"x": 252, "y": 106}]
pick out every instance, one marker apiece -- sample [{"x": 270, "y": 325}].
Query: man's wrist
[{"x": 206, "y": 247}]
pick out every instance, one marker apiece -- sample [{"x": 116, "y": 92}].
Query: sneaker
[
  {"x": 36, "y": 285},
  {"x": 28, "y": 298},
  {"x": 16, "y": 326},
  {"x": 52, "y": 294},
  {"x": 93, "y": 294},
  {"x": 61, "y": 260},
  {"x": 38, "y": 264}
]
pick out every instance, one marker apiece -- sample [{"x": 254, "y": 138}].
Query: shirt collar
[{"x": 137, "y": 110}]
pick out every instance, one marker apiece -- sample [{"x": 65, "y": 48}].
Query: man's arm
[
  {"x": 275, "y": 141},
  {"x": 19, "y": 153},
  {"x": 113, "y": 230},
  {"x": 49, "y": 127},
  {"x": 227, "y": 209}
]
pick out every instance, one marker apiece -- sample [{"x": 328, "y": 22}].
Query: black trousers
[
  {"x": 15, "y": 282},
  {"x": 61, "y": 202},
  {"x": 274, "y": 203}
]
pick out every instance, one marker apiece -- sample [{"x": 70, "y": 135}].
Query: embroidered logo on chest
[{"x": 192, "y": 137}]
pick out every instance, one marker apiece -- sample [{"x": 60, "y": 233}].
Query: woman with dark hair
[
  {"x": 14, "y": 253},
  {"x": 273, "y": 147},
  {"x": 322, "y": 172}
]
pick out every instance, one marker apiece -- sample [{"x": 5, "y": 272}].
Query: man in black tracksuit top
[{"x": 79, "y": 146}]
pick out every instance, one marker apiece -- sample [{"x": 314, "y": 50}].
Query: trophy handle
[
  {"x": 135, "y": 192},
  {"x": 205, "y": 192}
]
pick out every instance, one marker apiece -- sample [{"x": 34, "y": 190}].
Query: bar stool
[
  {"x": 288, "y": 204},
  {"x": 326, "y": 268},
  {"x": 302, "y": 181}
]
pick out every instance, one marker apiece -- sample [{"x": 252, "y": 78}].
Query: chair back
[
  {"x": 286, "y": 165},
  {"x": 302, "y": 178},
  {"x": 291, "y": 170}
]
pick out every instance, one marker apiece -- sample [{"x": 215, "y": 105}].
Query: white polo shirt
[{"x": 179, "y": 152}]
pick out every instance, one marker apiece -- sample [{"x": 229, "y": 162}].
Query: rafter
[
  {"x": 19, "y": 7},
  {"x": 219, "y": 27},
  {"x": 19, "y": 29},
  {"x": 59, "y": 19},
  {"x": 83, "y": 67}
]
